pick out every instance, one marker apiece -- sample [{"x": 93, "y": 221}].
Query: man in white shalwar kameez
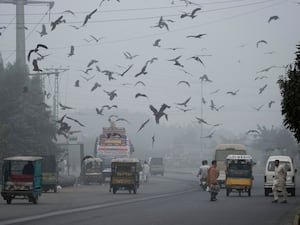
[{"x": 279, "y": 182}]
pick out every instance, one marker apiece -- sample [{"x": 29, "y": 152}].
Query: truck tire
[
  {"x": 266, "y": 192},
  {"x": 293, "y": 192}
]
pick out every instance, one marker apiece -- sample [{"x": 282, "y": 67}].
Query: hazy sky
[{"x": 229, "y": 52}]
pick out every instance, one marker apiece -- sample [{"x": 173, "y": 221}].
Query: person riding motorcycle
[{"x": 203, "y": 174}]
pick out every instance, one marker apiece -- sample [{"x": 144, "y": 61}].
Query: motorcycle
[{"x": 203, "y": 183}]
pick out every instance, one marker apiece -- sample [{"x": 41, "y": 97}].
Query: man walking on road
[
  {"x": 279, "y": 182},
  {"x": 212, "y": 175}
]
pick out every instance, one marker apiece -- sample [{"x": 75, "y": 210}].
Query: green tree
[
  {"x": 25, "y": 125},
  {"x": 290, "y": 92}
]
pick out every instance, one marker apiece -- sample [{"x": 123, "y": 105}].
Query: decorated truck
[{"x": 110, "y": 144}]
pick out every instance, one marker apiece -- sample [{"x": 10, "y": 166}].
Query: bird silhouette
[
  {"x": 157, "y": 43},
  {"x": 266, "y": 69},
  {"x": 58, "y": 21},
  {"x": 260, "y": 77},
  {"x": 87, "y": 78},
  {"x": 35, "y": 50},
  {"x": 270, "y": 103},
  {"x": 204, "y": 77},
  {"x": 214, "y": 92},
  {"x": 140, "y": 95},
  {"x": 273, "y": 18},
  {"x": 123, "y": 73},
  {"x": 192, "y": 14},
  {"x": 93, "y": 61},
  {"x": 183, "y": 110},
  {"x": 185, "y": 102},
  {"x": 64, "y": 107},
  {"x": 163, "y": 23},
  {"x": 140, "y": 82},
  {"x": 210, "y": 135},
  {"x": 197, "y": 59},
  {"x": 143, "y": 71},
  {"x": 75, "y": 27},
  {"x": 252, "y": 131},
  {"x": 100, "y": 111},
  {"x": 71, "y": 53},
  {"x": 233, "y": 92},
  {"x": 160, "y": 113},
  {"x": 262, "y": 89},
  {"x": 69, "y": 11},
  {"x": 43, "y": 32},
  {"x": 260, "y": 41},
  {"x": 96, "y": 39},
  {"x": 143, "y": 125},
  {"x": 196, "y": 36},
  {"x": 128, "y": 55},
  {"x": 75, "y": 120},
  {"x": 96, "y": 85},
  {"x": 76, "y": 83},
  {"x": 200, "y": 120},
  {"x": 258, "y": 108},
  {"x": 176, "y": 62},
  {"x": 88, "y": 17},
  {"x": 111, "y": 94},
  {"x": 184, "y": 82}
]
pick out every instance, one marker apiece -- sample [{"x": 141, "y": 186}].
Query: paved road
[{"x": 173, "y": 199}]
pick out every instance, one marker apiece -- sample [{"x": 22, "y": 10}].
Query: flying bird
[
  {"x": 96, "y": 39},
  {"x": 100, "y": 111},
  {"x": 156, "y": 43},
  {"x": 270, "y": 103},
  {"x": 93, "y": 61},
  {"x": 262, "y": 89},
  {"x": 176, "y": 62},
  {"x": 204, "y": 77},
  {"x": 75, "y": 27},
  {"x": 160, "y": 113},
  {"x": 273, "y": 18},
  {"x": 58, "y": 21},
  {"x": 69, "y": 11},
  {"x": 200, "y": 120},
  {"x": 196, "y": 36},
  {"x": 96, "y": 85},
  {"x": 43, "y": 32},
  {"x": 71, "y": 51},
  {"x": 75, "y": 120},
  {"x": 192, "y": 14},
  {"x": 260, "y": 77},
  {"x": 35, "y": 50},
  {"x": 197, "y": 59},
  {"x": 184, "y": 103},
  {"x": 233, "y": 92},
  {"x": 88, "y": 78},
  {"x": 260, "y": 41},
  {"x": 64, "y": 107},
  {"x": 210, "y": 135},
  {"x": 128, "y": 55},
  {"x": 258, "y": 108},
  {"x": 184, "y": 82},
  {"x": 88, "y": 17},
  {"x": 143, "y": 125},
  {"x": 252, "y": 132},
  {"x": 143, "y": 71},
  {"x": 123, "y": 73},
  {"x": 140, "y": 95},
  {"x": 183, "y": 110},
  {"x": 76, "y": 83},
  {"x": 111, "y": 94},
  {"x": 140, "y": 82}
]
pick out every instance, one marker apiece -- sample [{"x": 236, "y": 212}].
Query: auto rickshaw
[
  {"x": 124, "y": 175},
  {"x": 50, "y": 173},
  {"x": 239, "y": 174},
  {"x": 22, "y": 178},
  {"x": 91, "y": 170}
]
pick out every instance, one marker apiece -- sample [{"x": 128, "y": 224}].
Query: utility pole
[
  {"x": 55, "y": 72},
  {"x": 20, "y": 28}
]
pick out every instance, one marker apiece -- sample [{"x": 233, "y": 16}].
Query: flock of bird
[{"x": 159, "y": 112}]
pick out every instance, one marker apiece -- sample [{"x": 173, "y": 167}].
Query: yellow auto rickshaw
[
  {"x": 239, "y": 176},
  {"x": 124, "y": 175}
]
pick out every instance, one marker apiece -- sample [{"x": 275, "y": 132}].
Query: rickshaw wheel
[
  {"x": 249, "y": 192},
  {"x": 227, "y": 191},
  {"x": 8, "y": 201}
]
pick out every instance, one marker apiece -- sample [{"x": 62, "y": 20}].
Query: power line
[
  {"x": 131, "y": 9},
  {"x": 154, "y": 17}
]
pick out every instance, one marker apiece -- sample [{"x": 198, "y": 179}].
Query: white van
[{"x": 270, "y": 172}]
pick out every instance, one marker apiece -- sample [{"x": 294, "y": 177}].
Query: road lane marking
[{"x": 92, "y": 207}]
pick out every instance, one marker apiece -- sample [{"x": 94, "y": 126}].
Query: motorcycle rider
[{"x": 203, "y": 174}]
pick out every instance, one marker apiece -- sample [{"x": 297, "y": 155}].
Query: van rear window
[{"x": 287, "y": 165}]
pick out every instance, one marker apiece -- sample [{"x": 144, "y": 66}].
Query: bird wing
[
  {"x": 154, "y": 110},
  {"x": 260, "y": 41},
  {"x": 143, "y": 125},
  {"x": 185, "y": 82},
  {"x": 29, "y": 53},
  {"x": 163, "y": 107},
  {"x": 42, "y": 45}
]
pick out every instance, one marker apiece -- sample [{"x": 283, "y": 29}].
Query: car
[{"x": 270, "y": 173}]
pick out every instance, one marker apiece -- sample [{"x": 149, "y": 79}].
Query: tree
[{"x": 290, "y": 92}]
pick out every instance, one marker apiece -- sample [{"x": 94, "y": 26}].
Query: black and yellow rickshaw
[
  {"x": 124, "y": 175},
  {"x": 239, "y": 176}
]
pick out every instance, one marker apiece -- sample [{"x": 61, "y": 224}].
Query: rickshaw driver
[{"x": 28, "y": 168}]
